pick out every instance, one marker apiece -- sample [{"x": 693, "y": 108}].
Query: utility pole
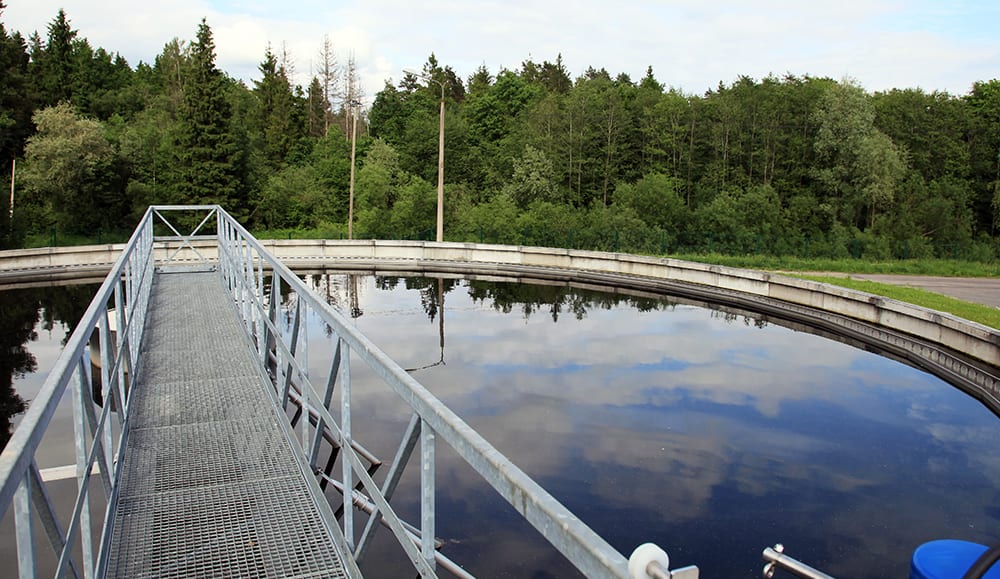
[
  {"x": 13, "y": 172},
  {"x": 440, "y": 200},
  {"x": 354, "y": 105},
  {"x": 440, "y": 207}
]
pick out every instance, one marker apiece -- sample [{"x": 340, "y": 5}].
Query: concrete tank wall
[{"x": 973, "y": 339}]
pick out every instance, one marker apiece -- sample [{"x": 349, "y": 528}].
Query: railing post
[
  {"x": 241, "y": 277},
  {"x": 41, "y": 502},
  {"x": 301, "y": 358},
  {"x": 248, "y": 282},
  {"x": 25, "y": 526},
  {"x": 321, "y": 425},
  {"x": 110, "y": 394},
  {"x": 259, "y": 330},
  {"x": 427, "y": 493},
  {"x": 286, "y": 373},
  {"x": 275, "y": 309},
  {"x": 231, "y": 257},
  {"x": 80, "y": 442},
  {"x": 120, "y": 340},
  {"x": 345, "y": 442},
  {"x": 220, "y": 242}
]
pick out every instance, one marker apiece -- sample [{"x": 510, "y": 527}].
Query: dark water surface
[
  {"x": 710, "y": 433},
  {"x": 34, "y": 324}
]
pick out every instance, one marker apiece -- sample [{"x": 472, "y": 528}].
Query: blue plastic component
[{"x": 948, "y": 559}]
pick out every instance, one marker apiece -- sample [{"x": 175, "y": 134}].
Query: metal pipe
[
  {"x": 391, "y": 481},
  {"x": 368, "y": 507},
  {"x": 295, "y": 398},
  {"x": 776, "y": 558},
  {"x": 361, "y": 501},
  {"x": 327, "y": 436},
  {"x": 657, "y": 571}
]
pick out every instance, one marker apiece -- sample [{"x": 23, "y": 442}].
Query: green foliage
[
  {"x": 377, "y": 186},
  {"x": 655, "y": 197},
  {"x": 414, "y": 213},
  {"x": 70, "y": 171},
  {"x": 208, "y": 155},
  {"x": 532, "y": 179},
  {"x": 931, "y": 128},
  {"x": 275, "y": 120},
  {"x": 493, "y": 112},
  {"x": 550, "y": 224},
  {"x": 494, "y": 220},
  {"x": 330, "y": 160},
  {"x": 859, "y": 165},
  {"x": 778, "y": 166},
  {"x": 292, "y": 197},
  {"x": 985, "y": 149},
  {"x": 15, "y": 100},
  {"x": 53, "y": 66}
]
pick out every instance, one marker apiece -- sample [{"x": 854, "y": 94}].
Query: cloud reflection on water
[{"x": 697, "y": 430}]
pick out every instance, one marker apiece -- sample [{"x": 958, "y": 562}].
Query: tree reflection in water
[
  {"x": 21, "y": 310},
  {"x": 713, "y": 430}
]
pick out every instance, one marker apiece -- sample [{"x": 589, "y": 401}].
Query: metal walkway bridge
[
  {"x": 209, "y": 479},
  {"x": 188, "y": 464}
]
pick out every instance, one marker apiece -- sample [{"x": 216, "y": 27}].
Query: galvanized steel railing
[
  {"x": 256, "y": 280},
  {"x": 120, "y": 303}
]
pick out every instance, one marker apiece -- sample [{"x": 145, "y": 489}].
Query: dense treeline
[{"x": 532, "y": 155}]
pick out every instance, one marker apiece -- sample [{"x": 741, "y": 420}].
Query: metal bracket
[{"x": 776, "y": 559}]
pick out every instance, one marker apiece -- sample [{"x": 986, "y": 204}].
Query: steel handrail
[
  {"x": 242, "y": 258},
  {"x": 242, "y": 262},
  {"x": 127, "y": 286}
]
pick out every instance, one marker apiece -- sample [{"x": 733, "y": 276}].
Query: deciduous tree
[{"x": 71, "y": 171}]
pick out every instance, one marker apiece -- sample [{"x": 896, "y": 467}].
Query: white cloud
[{"x": 689, "y": 44}]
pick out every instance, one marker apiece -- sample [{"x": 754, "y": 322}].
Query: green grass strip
[
  {"x": 934, "y": 267},
  {"x": 986, "y": 315}
]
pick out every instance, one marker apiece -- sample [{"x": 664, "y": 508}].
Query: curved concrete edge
[
  {"x": 975, "y": 340},
  {"x": 60, "y": 257}
]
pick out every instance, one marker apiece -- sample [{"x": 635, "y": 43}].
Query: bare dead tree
[
  {"x": 354, "y": 92},
  {"x": 328, "y": 78}
]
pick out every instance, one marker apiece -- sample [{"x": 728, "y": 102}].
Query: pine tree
[
  {"x": 317, "y": 109},
  {"x": 15, "y": 105},
  {"x": 53, "y": 66},
  {"x": 209, "y": 156},
  {"x": 275, "y": 111},
  {"x": 15, "y": 121}
]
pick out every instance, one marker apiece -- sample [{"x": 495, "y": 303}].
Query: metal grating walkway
[{"x": 210, "y": 486}]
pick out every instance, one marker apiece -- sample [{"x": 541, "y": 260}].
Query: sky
[{"x": 692, "y": 45}]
